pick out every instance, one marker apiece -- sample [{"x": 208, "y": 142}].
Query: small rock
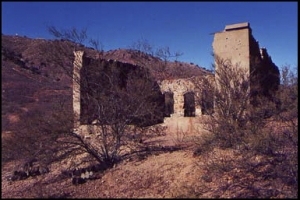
[{"x": 206, "y": 178}]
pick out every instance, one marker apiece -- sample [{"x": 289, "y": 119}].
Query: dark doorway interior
[
  {"x": 169, "y": 104},
  {"x": 189, "y": 104}
]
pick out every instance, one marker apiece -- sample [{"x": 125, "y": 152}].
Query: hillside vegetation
[{"x": 253, "y": 156}]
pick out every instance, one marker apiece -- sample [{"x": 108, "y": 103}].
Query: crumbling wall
[
  {"x": 237, "y": 44},
  {"x": 180, "y": 87},
  {"x": 93, "y": 78},
  {"x": 266, "y": 76},
  {"x": 233, "y": 44},
  {"x": 77, "y": 65}
]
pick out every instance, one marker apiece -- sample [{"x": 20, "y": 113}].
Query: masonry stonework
[
  {"x": 77, "y": 65},
  {"x": 179, "y": 87},
  {"x": 78, "y": 128},
  {"x": 93, "y": 78},
  {"x": 233, "y": 44},
  {"x": 237, "y": 44}
]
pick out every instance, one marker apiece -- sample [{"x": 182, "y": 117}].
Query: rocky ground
[
  {"x": 174, "y": 171},
  {"x": 157, "y": 174}
]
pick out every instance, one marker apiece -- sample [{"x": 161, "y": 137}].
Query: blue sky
[{"x": 185, "y": 27}]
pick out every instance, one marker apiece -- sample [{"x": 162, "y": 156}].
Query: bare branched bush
[
  {"x": 262, "y": 134},
  {"x": 73, "y": 34},
  {"x": 115, "y": 98},
  {"x": 121, "y": 102},
  {"x": 143, "y": 45},
  {"x": 163, "y": 56},
  {"x": 113, "y": 105},
  {"x": 179, "y": 137},
  {"x": 230, "y": 94}
]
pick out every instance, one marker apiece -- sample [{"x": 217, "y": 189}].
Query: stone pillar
[
  {"x": 178, "y": 103},
  {"x": 77, "y": 65}
]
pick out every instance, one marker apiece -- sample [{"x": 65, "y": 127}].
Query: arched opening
[
  {"x": 169, "y": 104},
  {"x": 189, "y": 104}
]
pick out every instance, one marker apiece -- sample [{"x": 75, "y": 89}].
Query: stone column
[
  {"x": 77, "y": 65},
  {"x": 178, "y": 103}
]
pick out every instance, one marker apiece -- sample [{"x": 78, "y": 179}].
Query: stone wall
[
  {"x": 237, "y": 44},
  {"x": 100, "y": 82},
  {"x": 179, "y": 87},
  {"x": 233, "y": 44},
  {"x": 77, "y": 65}
]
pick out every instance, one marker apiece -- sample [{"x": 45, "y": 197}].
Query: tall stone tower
[
  {"x": 234, "y": 44},
  {"x": 237, "y": 45}
]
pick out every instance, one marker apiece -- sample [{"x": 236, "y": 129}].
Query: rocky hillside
[
  {"x": 36, "y": 83},
  {"x": 158, "y": 67},
  {"x": 36, "y": 73}
]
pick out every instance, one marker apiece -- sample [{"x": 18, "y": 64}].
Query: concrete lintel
[{"x": 237, "y": 26}]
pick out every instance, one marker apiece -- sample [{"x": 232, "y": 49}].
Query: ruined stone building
[
  {"x": 180, "y": 97},
  {"x": 176, "y": 102},
  {"x": 106, "y": 91},
  {"x": 237, "y": 45}
]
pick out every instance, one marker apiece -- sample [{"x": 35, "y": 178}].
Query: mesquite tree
[{"x": 116, "y": 99}]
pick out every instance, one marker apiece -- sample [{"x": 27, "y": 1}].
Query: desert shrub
[
  {"x": 38, "y": 134},
  {"x": 258, "y": 141},
  {"x": 204, "y": 144}
]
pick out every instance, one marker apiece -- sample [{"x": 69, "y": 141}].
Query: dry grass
[
  {"x": 213, "y": 173},
  {"x": 153, "y": 177}
]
